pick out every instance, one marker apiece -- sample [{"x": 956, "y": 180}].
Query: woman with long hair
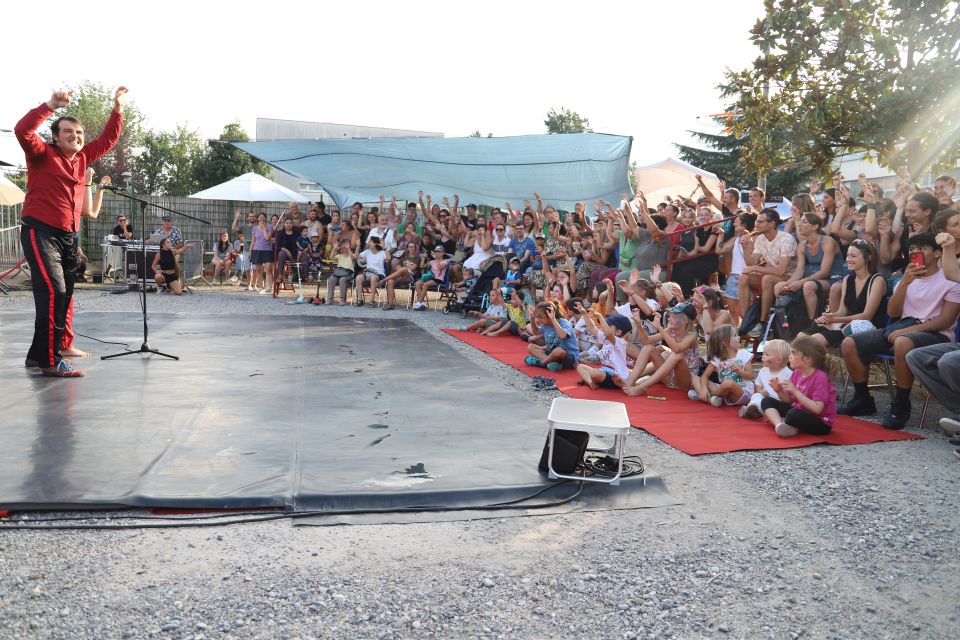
[
  {"x": 862, "y": 293},
  {"x": 261, "y": 254},
  {"x": 818, "y": 263}
]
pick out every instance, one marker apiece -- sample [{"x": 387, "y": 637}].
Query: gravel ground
[{"x": 845, "y": 542}]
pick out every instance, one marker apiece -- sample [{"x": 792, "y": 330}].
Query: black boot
[
  {"x": 898, "y": 416},
  {"x": 859, "y": 406}
]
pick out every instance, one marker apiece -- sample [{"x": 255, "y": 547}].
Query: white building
[
  {"x": 276, "y": 129},
  {"x": 853, "y": 164}
]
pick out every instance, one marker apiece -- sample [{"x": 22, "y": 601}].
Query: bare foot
[
  {"x": 634, "y": 391},
  {"x": 73, "y": 352}
]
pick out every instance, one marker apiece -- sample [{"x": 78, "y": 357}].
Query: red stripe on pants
[
  {"x": 46, "y": 279},
  {"x": 67, "y": 342}
]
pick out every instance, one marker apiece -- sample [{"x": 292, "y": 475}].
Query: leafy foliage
[
  {"x": 92, "y": 104},
  {"x": 169, "y": 161},
  {"x": 723, "y": 155},
  {"x": 566, "y": 121},
  {"x": 221, "y": 162},
  {"x": 851, "y": 75}
]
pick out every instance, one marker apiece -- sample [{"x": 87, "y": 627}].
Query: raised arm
[
  {"x": 948, "y": 261},
  {"x": 648, "y": 220},
  {"x": 709, "y": 194},
  {"x": 111, "y": 130},
  {"x": 26, "y": 130},
  {"x": 92, "y": 204}
]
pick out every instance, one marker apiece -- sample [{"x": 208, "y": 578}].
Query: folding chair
[{"x": 445, "y": 293}]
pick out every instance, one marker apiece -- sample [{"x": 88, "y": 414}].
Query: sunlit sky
[{"x": 645, "y": 69}]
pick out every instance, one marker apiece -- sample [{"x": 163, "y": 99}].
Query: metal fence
[
  {"x": 218, "y": 212},
  {"x": 10, "y": 250}
]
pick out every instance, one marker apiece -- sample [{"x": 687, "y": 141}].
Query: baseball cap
[
  {"x": 438, "y": 248},
  {"x": 166, "y": 216},
  {"x": 685, "y": 308},
  {"x": 620, "y": 322},
  {"x": 471, "y": 206}
]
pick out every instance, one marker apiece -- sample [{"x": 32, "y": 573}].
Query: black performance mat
[{"x": 298, "y": 412}]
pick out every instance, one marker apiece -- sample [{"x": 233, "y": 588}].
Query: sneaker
[
  {"x": 63, "y": 370},
  {"x": 786, "y": 431},
  {"x": 898, "y": 416},
  {"x": 389, "y": 307},
  {"x": 864, "y": 406},
  {"x": 548, "y": 384},
  {"x": 342, "y": 303},
  {"x": 554, "y": 366},
  {"x": 757, "y": 330},
  {"x": 716, "y": 401},
  {"x": 532, "y": 361},
  {"x": 750, "y": 411},
  {"x": 692, "y": 394},
  {"x": 949, "y": 425}
]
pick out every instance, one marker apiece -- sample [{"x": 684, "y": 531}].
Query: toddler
[{"x": 775, "y": 355}]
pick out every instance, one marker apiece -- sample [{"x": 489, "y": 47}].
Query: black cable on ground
[
  {"x": 83, "y": 335},
  {"x": 606, "y": 466},
  {"x": 511, "y": 505}
]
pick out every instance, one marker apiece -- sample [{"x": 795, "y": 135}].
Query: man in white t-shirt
[
  {"x": 388, "y": 239},
  {"x": 926, "y": 305},
  {"x": 769, "y": 260}
]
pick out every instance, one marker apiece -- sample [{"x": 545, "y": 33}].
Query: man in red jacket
[{"x": 51, "y": 216}]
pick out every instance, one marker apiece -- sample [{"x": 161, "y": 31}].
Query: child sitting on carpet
[
  {"x": 494, "y": 318},
  {"x": 517, "y": 320},
  {"x": 560, "y": 349},
  {"x": 612, "y": 350},
  {"x": 589, "y": 352},
  {"x": 683, "y": 361},
  {"x": 775, "y": 355},
  {"x": 814, "y": 398},
  {"x": 733, "y": 367}
]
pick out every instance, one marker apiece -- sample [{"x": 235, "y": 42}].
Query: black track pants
[{"x": 46, "y": 250}]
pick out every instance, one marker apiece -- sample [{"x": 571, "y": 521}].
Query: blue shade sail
[{"x": 563, "y": 169}]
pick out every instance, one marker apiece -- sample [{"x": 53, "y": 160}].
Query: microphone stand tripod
[{"x": 145, "y": 347}]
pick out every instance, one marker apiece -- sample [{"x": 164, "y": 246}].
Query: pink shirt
[
  {"x": 819, "y": 389},
  {"x": 925, "y": 298}
]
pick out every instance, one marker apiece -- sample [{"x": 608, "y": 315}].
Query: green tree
[
  {"x": 92, "y": 104},
  {"x": 858, "y": 75},
  {"x": 168, "y": 161},
  {"x": 153, "y": 163},
  {"x": 477, "y": 134},
  {"x": 723, "y": 155},
  {"x": 566, "y": 121},
  {"x": 632, "y": 175},
  {"x": 221, "y": 161}
]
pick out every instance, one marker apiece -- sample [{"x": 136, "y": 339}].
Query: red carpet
[{"x": 692, "y": 427}]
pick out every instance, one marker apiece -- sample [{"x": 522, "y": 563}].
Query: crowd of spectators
[{"x": 635, "y": 295}]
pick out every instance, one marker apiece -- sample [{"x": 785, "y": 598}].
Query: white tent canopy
[
  {"x": 672, "y": 177},
  {"x": 250, "y": 187},
  {"x": 10, "y": 194}
]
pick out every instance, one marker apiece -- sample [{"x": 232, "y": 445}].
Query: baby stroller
[{"x": 478, "y": 298}]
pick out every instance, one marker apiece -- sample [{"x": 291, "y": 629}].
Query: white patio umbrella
[
  {"x": 10, "y": 194},
  {"x": 250, "y": 187},
  {"x": 672, "y": 177}
]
